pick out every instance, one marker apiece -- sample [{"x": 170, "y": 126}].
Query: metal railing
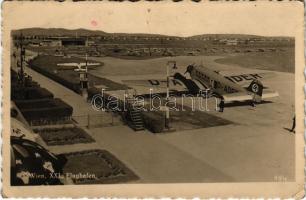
[
  {"x": 49, "y": 121},
  {"x": 98, "y": 120}
]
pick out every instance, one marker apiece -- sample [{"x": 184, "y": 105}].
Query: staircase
[{"x": 135, "y": 120}]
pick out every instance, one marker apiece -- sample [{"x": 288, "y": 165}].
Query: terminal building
[
  {"x": 74, "y": 42},
  {"x": 61, "y": 41}
]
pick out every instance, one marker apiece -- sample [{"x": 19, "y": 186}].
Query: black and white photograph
[{"x": 106, "y": 105}]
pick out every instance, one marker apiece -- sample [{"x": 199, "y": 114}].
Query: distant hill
[
  {"x": 230, "y": 36},
  {"x": 57, "y": 32},
  {"x": 226, "y": 36},
  {"x": 85, "y": 32},
  {"x": 79, "y": 32}
]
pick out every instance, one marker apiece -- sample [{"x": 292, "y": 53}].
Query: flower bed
[
  {"x": 96, "y": 167},
  {"x": 65, "y": 136}
]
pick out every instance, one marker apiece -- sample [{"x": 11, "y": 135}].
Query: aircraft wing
[
  {"x": 162, "y": 83},
  {"x": 158, "y": 85},
  {"x": 89, "y": 64},
  {"x": 68, "y": 64},
  {"x": 241, "y": 96},
  {"x": 76, "y": 65},
  {"x": 266, "y": 94}
]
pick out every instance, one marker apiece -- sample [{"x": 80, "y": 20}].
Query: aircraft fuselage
[{"x": 219, "y": 83}]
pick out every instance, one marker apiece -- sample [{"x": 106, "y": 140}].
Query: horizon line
[{"x": 142, "y": 33}]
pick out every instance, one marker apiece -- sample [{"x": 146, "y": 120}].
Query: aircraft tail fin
[
  {"x": 255, "y": 93},
  {"x": 256, "y": 87}
]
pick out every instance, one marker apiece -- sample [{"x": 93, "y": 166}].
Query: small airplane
[
  {"x": 77, "y": 66},
  {"x": 242, "y": 87},
  {"x": 227, "y": 87}
]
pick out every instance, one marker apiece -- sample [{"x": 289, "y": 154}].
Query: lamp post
[{"x": 84, "y": 79}]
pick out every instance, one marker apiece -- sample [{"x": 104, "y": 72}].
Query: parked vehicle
[{"x": 32, "y": 164}]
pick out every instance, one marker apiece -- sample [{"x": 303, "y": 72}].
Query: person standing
[
  {"x": 221, "y": 105},
  {"x": 293, "y": 125}
]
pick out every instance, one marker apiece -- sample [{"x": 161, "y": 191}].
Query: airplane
[
  {"x": 228, "y": 88},
  {"x": 77, "y": 66}
]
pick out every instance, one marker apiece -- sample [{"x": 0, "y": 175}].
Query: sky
[{"x": 177, "y": 19}]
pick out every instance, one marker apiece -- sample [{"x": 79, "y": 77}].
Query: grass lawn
[
  {"x": 187, "y": 119},
  {"x": 276, "y": 61},
  {"x": 47, "y": 65},
  {"x": 100, "y": 164}
]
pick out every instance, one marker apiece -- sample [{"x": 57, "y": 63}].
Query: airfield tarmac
[{"x": 256, "y": 147}]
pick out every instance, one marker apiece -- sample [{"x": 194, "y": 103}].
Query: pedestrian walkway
[
  {"x": 155, "y": 160},
  {"x": 80, "y": 108}
]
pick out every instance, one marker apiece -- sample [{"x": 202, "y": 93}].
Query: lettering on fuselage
[
  {"x": 243, "y": 77},
  {"x": 229, "y": 89}
]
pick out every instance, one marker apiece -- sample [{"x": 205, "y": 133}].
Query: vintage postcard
[{"x": 105, "y": 99}]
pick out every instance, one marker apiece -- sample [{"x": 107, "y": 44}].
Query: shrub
[
  {"x": 38, "y": 93},
  {"x": 47, "y": 113},
  {"x": 154, "y": 121},
  {"x": 40, "y": 103},
  {"x": 35, "y": 103},
  {"x": 71, "y": 80},
  {"x": 20, "y": 93},
  {"x": 91, "y": 92},
  {"x": 51, "y": 109},
  {"x": 107, "y": 104}
]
